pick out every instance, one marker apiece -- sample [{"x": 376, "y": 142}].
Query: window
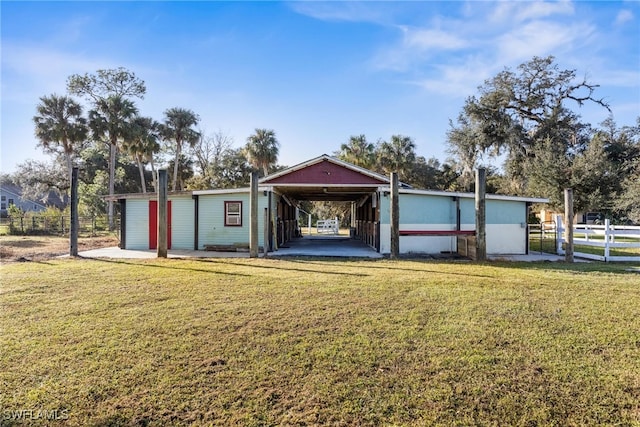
[
  {"x": 232, "y": 214},
  {"x": 11, "y": 202}
]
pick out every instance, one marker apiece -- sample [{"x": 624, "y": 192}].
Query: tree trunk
[
  {"x": 175, "y": 166},
  {"x": 112, "y": 183},
  {"x": 143, "y": 182}
]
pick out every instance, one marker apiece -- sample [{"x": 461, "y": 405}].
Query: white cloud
[
  {"x": 42, "y": 63},
  {"x": 416, "y": 46},
  {"x": 431, "y": 39},
  {"x": 342, "y": 11},
  {"x": 460, "y": 80},
  {"x": 540, "y": 38},
  {"x": 624, "y": 16},
  {"x": 513, "y": 12}
]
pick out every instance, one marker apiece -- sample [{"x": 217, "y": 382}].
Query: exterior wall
[
  {"x": 137, "y": 224},
  {"x": 211, "y": 228},
  {"x": 506, "y": 223},
  {"x": 506, "y": 227},
  {"x": 25, "y": 205},
  {"x": 182, "y": 225}
]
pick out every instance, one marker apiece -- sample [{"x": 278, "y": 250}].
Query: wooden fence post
[
  {"x": 75, "y": 223},
  {"x": 481, "y": 216},
  {"x": 266, "y": 232},
  {"x": 162, "y": 214},
  {"x": 253, "y": 216},
  {"x": 395, "y": 217}
]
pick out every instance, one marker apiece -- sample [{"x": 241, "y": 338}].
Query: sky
[{"x": 314, "y": 72}]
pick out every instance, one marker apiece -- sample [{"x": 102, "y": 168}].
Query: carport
[{"x": 326, "y": 178}]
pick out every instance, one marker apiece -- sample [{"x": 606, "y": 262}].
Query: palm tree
[
  {"x": 397, "y": 156},
  {"x": 110, "y": 122},
  {"x": 142, "y": 145},
  {"x": 177, "y": 127},
  {"x": 262, "y": 150},
  {"x": 60, "y": 126},
  {"x": 358, "y": 151}
]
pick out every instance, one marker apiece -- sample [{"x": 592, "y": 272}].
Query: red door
[{"x": 153, "y": 224}]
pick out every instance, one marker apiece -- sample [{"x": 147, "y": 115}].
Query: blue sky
[{"x": 315, "y": 72}]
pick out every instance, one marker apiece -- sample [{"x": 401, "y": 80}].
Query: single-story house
[
  {"x": 11, "y": 194},
  {"x": 430, "y": 221}
]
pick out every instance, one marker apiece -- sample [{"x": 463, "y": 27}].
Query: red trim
[{"x": 437, "y": 232}]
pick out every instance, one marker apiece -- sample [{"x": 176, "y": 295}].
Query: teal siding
[
  {"x": 426, "y": 209},
  {"x": 506, "y": 212},
  {"x": 418, "y": 209},
  {"x": 137, "y": 225},
  {"x": 211, "y": 228},
  {"x": 182, "y": 225},
  {"x": 384, "y": 204},
  {"x": 467, "y": 211}
]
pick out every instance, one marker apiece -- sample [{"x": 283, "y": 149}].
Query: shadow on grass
[
  {"x": 578, "y": 267},
  {"x": 278, "y": 267},
  {"x": 168, "y": 266},
  {"x": 388, "y": 267}
]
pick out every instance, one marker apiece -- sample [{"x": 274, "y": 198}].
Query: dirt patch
[{"x": 37, "y": 248}]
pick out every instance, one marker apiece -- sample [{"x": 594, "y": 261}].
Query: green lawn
[
  {"x": 549, "y": 245},
  {"x": 319, "y": 342}
]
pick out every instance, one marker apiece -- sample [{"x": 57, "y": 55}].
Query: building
[
  {"x": 430, "y": 221},
  {"x": 12, "y": 195}
]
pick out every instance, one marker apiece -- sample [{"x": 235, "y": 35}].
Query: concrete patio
[{"x": 310, "y": 246}]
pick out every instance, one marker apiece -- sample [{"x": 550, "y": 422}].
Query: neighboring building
[
  {"x": 11, "y": 194},
  {"x": 430, "y": 221}
]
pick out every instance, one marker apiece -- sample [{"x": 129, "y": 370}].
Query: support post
[
  {"x": 395, "y": 217},
  {"x": 481, "y": 217},
  {"x": 253, "y": 216},
  {"x": 75, "y": 223},
  {"x": 162, "y": 214},
  {"x": 266, "y": 232},
  {"x": 568, "y": 219}
]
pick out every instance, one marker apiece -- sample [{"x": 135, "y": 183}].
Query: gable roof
[
  {"x": 325, "y": 170},
  {"x": 51, "y": 198}
]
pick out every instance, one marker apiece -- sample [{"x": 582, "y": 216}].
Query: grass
[
  {"x": 319, "y": 342},
  {"x": 548, "y": 245}
]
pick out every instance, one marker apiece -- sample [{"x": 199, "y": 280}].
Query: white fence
[
  {"x": 601, "y": 236},
  {"x": 327, "y": 226}
]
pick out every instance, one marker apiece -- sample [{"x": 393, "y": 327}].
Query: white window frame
[{"x": 232, "y": 213}]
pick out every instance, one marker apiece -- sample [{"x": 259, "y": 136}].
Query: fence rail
[
  {"x": 601, "y": 236},
  {"x": 57, "y": 225},
  {"x": 327, "y": 226}
]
